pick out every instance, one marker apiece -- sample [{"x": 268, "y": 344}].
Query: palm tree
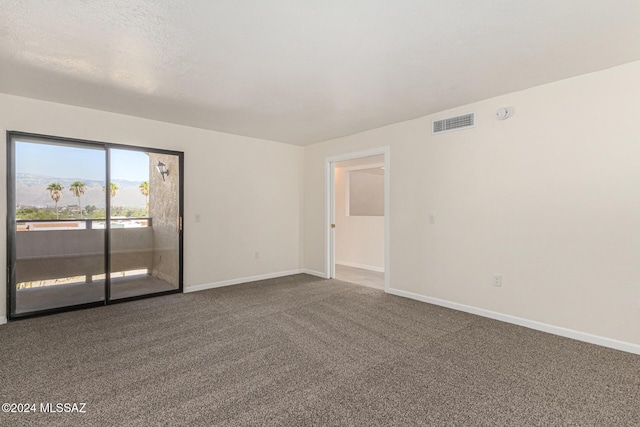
[
  {"x": 78, "y": 188},
  {"x": 113, "y": 190},
  {"x": 55, "y": 191},
  {"x": 144, "y": 189}
]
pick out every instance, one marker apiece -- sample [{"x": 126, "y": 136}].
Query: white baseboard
[
  {"x": 3, "y": 320},
  {"x": 362, "y": 266},
  {"x": 314, "y": 273},
  {"x": 532, "y": 324},
  {"x": 231, "y": 282}
]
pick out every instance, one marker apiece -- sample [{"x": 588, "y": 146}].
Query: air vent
[{"x": 454, "y": 123}]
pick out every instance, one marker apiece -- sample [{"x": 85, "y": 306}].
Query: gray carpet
[{"x": 299, "y": 351}]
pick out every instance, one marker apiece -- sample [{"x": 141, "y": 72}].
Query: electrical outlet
[
  {"x": 497, "y": 280},
  {"x": 432, "y": 218}
]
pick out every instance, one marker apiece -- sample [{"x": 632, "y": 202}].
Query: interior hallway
[{"x": 360, "y": 276}]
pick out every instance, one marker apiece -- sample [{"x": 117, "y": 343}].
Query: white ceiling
[{"x": 302, "y": 71}]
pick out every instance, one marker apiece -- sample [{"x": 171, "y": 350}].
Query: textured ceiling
[{"x": 302, "y": 71}]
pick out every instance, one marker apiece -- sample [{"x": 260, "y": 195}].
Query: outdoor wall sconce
[{"x": 162, "y": 168}]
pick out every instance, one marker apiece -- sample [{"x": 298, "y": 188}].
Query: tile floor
[{"x": 359, "y": 276}]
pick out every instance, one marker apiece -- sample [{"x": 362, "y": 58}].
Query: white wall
[
  {"x": 359, "y": 239},
  {"x": 549, "y": 198},
  {"x": 248, "y": 191}
]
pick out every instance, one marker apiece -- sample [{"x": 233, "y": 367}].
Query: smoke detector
[{"x": 504, "y": 113}]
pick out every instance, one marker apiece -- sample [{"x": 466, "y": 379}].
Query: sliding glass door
[
  {"x": 59, "y": 251},
  {"x": 145, "y": 241},
  {"x": 90, "y": 223}
]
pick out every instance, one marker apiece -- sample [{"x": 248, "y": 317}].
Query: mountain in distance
[{"x": 31, "y": 190}]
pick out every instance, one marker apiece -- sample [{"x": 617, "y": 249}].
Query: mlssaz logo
[{"x": 63, "y": 407}]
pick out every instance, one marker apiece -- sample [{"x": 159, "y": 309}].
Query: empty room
[{"x": 291, "y": 213}]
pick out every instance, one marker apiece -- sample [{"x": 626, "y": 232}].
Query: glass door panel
[
  {"x": 90, "y": 223},
  {"x": 144, "y": 227},
  {"x": 57, "y": 213}
]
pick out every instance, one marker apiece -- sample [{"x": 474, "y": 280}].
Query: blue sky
[
  {"x": 61, "y": 161},
  {"x": 129, "y": 165}
]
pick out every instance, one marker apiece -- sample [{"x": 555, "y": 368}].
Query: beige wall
[
  {"x": 549, "y": 198},
  {"x": 359, "y": 239},
  {"x": 246, "y": 190}
]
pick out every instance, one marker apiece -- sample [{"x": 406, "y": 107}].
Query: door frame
[
  {"x": 11, "y": 223},
  {"x": 330, "y": 239}
]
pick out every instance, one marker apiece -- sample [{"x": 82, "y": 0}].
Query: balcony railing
[
  {"x": 56, "y": 251},
  {"x": 80, "y": 224}
]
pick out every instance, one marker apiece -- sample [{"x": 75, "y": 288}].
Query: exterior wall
[
  {"x": 42, "y": 255},
  {"x": 164, "y": 210},
  {"x": 549, "y": 198}
]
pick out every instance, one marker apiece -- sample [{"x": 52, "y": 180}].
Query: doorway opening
[
  {"x": 90, "y": 223},
  {"x": 358, "y": 218}
]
